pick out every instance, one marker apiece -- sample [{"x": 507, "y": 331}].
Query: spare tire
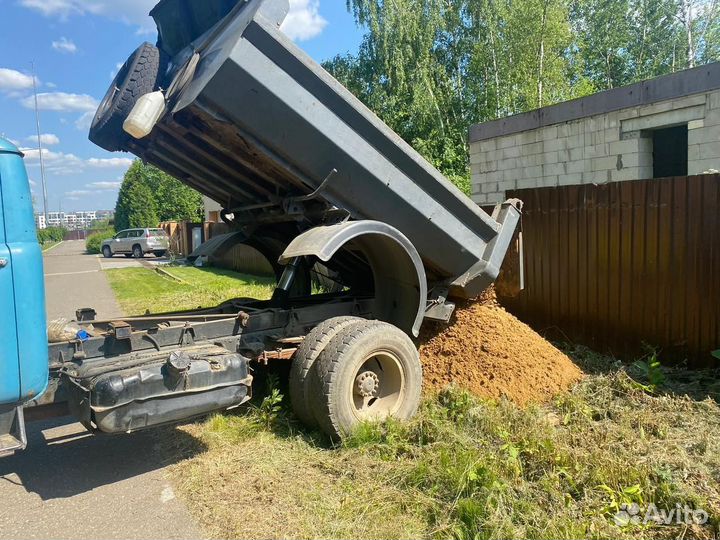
[{"x": 138, "y": 76}]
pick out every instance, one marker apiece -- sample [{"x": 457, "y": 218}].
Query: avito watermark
[{"x": 634, "y": 514}]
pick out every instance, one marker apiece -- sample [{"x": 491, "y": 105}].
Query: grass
[
  {"x": 140, "y": 290},
  {"x": 470, "y": 469},
  {"x": 47, "y": 246}
]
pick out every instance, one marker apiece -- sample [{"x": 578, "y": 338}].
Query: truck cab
[{"x": 23, "y": 328}]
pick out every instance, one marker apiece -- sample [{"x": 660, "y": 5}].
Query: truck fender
[{"x": 398, "y": 271}]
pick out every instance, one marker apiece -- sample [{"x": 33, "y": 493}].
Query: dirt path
[{"x": 69, "y": 484}]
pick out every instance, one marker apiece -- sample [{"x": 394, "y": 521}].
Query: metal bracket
[
  {"x": 12, "y": 430},
  {"x": 85, "y": 314},
  {"x": 438, "y": 308}
]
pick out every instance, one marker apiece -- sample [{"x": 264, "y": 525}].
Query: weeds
[
  {"x": 651, "y": 371},
  {"x": 269, "y": 410},
  {"x": 466, "y": 468}
]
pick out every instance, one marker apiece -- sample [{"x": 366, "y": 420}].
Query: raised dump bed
[
  {"x": 367, "y": 239},
  {"x": 254, "y": 123}
]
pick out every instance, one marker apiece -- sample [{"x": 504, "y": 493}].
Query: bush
[
  {"x": 95, "y": 240},
  {"x": 51, "y": 234}
]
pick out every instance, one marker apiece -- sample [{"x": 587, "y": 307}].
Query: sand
[{"x": 491, "y": 353}]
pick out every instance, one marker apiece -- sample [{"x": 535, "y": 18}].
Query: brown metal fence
[{"x": 625, "y": 264}]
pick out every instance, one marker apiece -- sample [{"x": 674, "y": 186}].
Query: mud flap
[{"x": 12, "y": 430}]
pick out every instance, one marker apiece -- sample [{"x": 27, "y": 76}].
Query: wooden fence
[{"x": 625, "y": 264}]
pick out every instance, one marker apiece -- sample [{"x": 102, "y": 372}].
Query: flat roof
[{"x": 683, "y": 83}]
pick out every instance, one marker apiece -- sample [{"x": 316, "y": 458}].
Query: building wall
[
  {"x": 610, "y": 147},
  {"x": 212, "y": 210}
]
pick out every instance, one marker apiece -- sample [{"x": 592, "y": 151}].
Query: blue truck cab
[{"x": 23, "y": 326}]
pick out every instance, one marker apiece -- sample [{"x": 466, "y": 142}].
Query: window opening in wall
[{"x": 670, "y": 151}]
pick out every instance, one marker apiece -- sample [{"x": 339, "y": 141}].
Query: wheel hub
[{"x": 367, "y": 384}]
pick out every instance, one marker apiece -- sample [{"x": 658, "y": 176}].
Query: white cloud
[
  {"x": 115, "y": 71},
  {"x": 85, "y": 121},
  {"x": 109, "y": 163},
  {"x": 105, "y": 186},
  {"x": 51, "y": 85},
  {"x": 65, "y": 45},
  {"x": 46, "y": 139},
  {"x": 55, "y": 162},
  {"x": 77, "y": 193},
  {"x": 61, "y": 101},
  {"x": 11, "y": 80},
  {"x": 134, "y": 12},
  {"x": 304, "y": 20},
  {"x": 61, "y": 163}
]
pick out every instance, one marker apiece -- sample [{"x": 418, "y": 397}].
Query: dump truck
[{"x": 367, "y": 240}]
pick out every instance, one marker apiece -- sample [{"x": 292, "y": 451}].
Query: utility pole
[{"x": 40, "y": 148}]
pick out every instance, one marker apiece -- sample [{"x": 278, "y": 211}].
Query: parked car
[{"x": 137, "y": 243}]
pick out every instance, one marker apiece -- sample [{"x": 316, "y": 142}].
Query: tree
[
  {"x": 149, "y": 196},
  {"x": 431, "y": 68},
  {"x": 136, "y": 207}
]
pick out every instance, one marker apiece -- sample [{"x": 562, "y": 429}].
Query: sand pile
[{"x": 489, "y": 352}]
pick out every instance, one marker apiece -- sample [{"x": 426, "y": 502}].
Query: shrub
[
  {"x": 95, "y": 240},
  {"x": 51, "y": 234}
]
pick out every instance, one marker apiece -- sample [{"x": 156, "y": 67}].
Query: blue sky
[{"x": 76, "y": 46}]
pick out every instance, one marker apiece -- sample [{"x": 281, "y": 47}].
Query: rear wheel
[
  {"x": 138, "y": 76},
  {"x": 305, "y": 357},
  {"x": 137, "y": 252},
  {"x": 107, "y": 252},
  {"x": 159, "y": 253},
  {"x": 368, "y": 372}
]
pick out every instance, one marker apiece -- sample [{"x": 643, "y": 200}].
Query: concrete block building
[{"x": 668, "y": 126}]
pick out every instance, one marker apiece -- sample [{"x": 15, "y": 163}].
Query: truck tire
[
  {"x": 369, "y": 371},
  {"x": 107, "y": 252},
  {"x": 137, "y": 252},
  {"x": 138, "y": 76},
  {"x": 305, "y": 357}
]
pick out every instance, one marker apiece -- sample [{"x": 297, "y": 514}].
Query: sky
[{"x": 76, "y": 46}]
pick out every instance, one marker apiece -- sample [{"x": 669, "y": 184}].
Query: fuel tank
[{"x": 130, "y": 393}]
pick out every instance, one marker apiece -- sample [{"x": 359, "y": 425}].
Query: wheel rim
[
  {"x": 378, "y": 388},
  {"x": 114, "y": 89}
]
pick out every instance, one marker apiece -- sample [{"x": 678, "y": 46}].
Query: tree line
[
  {"x": 149, "y": 196},
  {"x": 431, "y": 68}
]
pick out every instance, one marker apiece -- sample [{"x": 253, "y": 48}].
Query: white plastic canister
[{"x": 145, "y": 114}]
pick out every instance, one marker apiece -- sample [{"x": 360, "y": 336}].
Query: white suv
[{"x": 136, "y": 243}]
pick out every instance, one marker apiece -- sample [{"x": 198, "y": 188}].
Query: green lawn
[{"x": 140, "y": 290}]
